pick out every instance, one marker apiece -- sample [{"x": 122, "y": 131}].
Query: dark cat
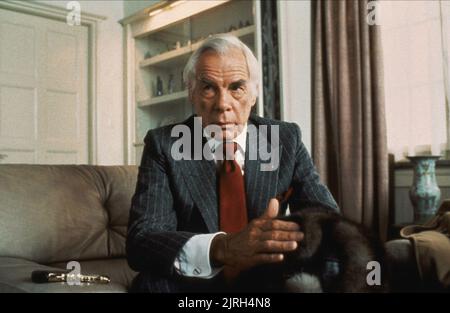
[{"x": 332, "y": 257}]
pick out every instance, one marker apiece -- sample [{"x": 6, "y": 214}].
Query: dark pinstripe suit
[{"x": 175, "y": 200}]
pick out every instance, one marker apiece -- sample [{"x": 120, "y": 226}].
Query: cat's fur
[{"x": 330, "y": 239}]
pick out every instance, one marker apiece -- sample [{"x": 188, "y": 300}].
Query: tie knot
[{"x": 229, "y": 149}]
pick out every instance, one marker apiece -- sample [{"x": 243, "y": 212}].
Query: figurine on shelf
[
  {"x": 178, "y": 45},
  {"x": 232, "y": 28},
  {"x": 159, "y": 87},
  {"x": 241, "y": 24},
  {"x": 147, "y": 55},
  {"x": 248, "y": 23},
  {"x": 170, "y": 85}
]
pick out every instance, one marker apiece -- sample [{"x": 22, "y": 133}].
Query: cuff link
[{"x": 197, "y": 271}]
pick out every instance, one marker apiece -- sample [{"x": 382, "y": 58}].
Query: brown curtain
[{"x": 349, "y": 133}]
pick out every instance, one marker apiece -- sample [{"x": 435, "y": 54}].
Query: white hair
[{"x": 221, "y": 44}]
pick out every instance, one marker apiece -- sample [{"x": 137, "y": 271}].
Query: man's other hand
[{"x": 264, "y": 240}]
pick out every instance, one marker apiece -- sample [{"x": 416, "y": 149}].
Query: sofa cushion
[
  {"x": 58, "y": 213},
  {"x": 15, "y": 276}
]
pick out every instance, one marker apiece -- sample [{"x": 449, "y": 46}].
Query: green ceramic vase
[{"x": 424, "y": 192}]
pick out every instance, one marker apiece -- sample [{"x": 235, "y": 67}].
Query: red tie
[{"x": 232, "y": 204}]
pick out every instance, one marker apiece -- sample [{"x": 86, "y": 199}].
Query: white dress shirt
[{"x": 193, "y": 259}]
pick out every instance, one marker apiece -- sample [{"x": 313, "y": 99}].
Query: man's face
[{"x": 222, "y": 94}]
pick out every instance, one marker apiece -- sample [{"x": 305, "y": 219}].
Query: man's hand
[{"x": 264, "y": 240}]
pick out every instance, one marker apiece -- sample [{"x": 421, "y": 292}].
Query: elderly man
[{"x": 196, "y": 223}]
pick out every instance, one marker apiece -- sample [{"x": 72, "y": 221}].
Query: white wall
[
  {"x": 110, "y": 149},
  {"x": 295, "y": 45}
]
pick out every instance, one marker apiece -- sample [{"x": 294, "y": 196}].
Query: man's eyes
[
  {"x": 237, "y": 87},
  {"x": 238, "y": 91},
  {"x": 210, "y": 90}
]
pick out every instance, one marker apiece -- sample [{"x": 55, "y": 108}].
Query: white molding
[
  {"x": 139, "y": 15},
  {"x": 259, "y": 55},
  {"x": 92, "y": 93},
  {"x": 47, "y": 10},
  {"x": 91, "y": 22},
  {"x": 129, "y": 97}
]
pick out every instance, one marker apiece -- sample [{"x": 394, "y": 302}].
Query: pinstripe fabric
[{"x": 175, "y": 200}]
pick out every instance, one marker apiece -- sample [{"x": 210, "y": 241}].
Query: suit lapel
[
  {"x": 200, "y": 177},
  {"x": 260, "y": 185},
  {"x": 201, "y": 181}
]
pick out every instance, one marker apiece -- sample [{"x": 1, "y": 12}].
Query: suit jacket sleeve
[
  {"x": 153, "y": 241},
  {"x": 308, "y": 189}
]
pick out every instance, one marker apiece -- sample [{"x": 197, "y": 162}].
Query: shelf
[
  {"x": 244, "y": 31},
  {"x": 180, "y": 56},
  {"x": 167, "y": 58},
  {"x": 173, "y": 97}
]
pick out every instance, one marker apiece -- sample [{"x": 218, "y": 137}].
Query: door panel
[
  {"x": 43, "y": 90},
  {"x": 17, "y": 52}
]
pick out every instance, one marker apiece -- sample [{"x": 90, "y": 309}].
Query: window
[{"x": 416, "y": 59}]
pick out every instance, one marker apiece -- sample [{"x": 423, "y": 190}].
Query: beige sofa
[{"x": 50, "y": 215}]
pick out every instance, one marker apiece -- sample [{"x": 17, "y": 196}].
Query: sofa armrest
[{"x": 402, "y": 267}]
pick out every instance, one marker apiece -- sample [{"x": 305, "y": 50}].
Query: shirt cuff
[{"x": 193, "y": 260}]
